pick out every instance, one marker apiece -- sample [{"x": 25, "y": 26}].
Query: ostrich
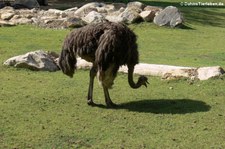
[{"x": 107, "y": 46}]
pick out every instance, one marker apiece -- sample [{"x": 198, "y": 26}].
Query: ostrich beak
[{"x": 145, "y": 84}]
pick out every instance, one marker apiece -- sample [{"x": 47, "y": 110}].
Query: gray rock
[
  {"x": 170, "y": 16},
  {"x": 130, "y": 16},
  {"x": 74, "y": 22},
  {"x": 37, "y": 60},
  {"x": 94, "y": 17}
]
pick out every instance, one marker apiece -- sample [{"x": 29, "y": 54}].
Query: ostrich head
[{"x": 142, "y": 80}]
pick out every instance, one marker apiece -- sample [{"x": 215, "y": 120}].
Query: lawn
[{"x": 49, "y": 110}]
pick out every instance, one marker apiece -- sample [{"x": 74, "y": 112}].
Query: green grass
[{"x": 48, "y": 110}]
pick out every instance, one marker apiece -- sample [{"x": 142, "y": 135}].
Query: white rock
[
  {"x": 205, "y": 73},
  {"x": 94, "y": 17},
  {"x": 84, "y": 10},
  {"x": 37, "y": 60},
  {"x": 4, "y": 23},
  {"x": 22, "y": 21},
  {"x": 7, "y": 15}
]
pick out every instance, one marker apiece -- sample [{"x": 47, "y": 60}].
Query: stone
[
  {"x": 106, "y": 9},
  {"x": 94, "y": 17},
  {"x": 54, "y": 23},
  {"x": 114, "y": 18},
  {"x": 7, "y": 15},
  {"x": 170, "y": 16},
  {"x": 56, "y": 12},
  {"x": 130, "y": 16},
  {"x": 4, "y": 23},
  {"x": 74, "y": 22},
  {"x": 86, "y": 9},
  {"x": 147, "y": 16},
  {"x": 205, "y": 73},
  {"x": 21, "y": 21},
  {"x": 136, "y": 4},
  {"x": 37, "y": 60}
]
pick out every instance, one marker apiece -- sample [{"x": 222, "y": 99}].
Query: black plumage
[{"x": 108, "y": 46}]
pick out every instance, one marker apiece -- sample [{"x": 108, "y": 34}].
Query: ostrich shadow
[{"x": 164, "y": 106}]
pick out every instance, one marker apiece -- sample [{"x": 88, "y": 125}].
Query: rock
[
  {"x": 136, "y": 4},
  {"x": 18, "y": 20},
  {"x": 205, "y": 73},
  {"x": 6, "y": 9},
  {"x": 83, "y": 64},
  {"x": 115, "y": 16},
  {"x": 7, "y": 15},
  {"x": 170, "y": 16},
  {"x": 130, "y": 16},
  {"x": 71, "y": 12},
  {"x": 6, "y": 23},
  {"x": 147, "y": 16},
  {"x": 74, "y": 22},
  {"x": 106, "y": 9},
  {"x": 86, "y": 9},
  {"x": 53, "y": 23},
  {"x": 94, "y": 17},
  {"x": 37, "y": 60},
  {"x": 56, "y": 12}
]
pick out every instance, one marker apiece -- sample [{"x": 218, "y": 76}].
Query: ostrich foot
[
  {"x": 110, "y": 104},
  {"x": 90, "y": 102}
]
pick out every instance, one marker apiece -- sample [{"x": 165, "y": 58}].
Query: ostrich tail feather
[{"x": 67, "y": 62}]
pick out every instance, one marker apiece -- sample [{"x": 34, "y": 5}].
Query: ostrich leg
[
  {"x": 108, "y": 101},
  {"x": 91, "y": 85}
]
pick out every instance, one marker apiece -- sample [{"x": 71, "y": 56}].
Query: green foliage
[{"x": 49, "y": 110}]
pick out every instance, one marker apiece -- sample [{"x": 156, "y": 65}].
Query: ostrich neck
[{"x": 130, "y": 78}]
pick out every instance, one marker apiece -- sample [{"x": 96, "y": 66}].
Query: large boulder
[
  {"x": 170, "y": 16},
  {"x": 37, "y": 60}
]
